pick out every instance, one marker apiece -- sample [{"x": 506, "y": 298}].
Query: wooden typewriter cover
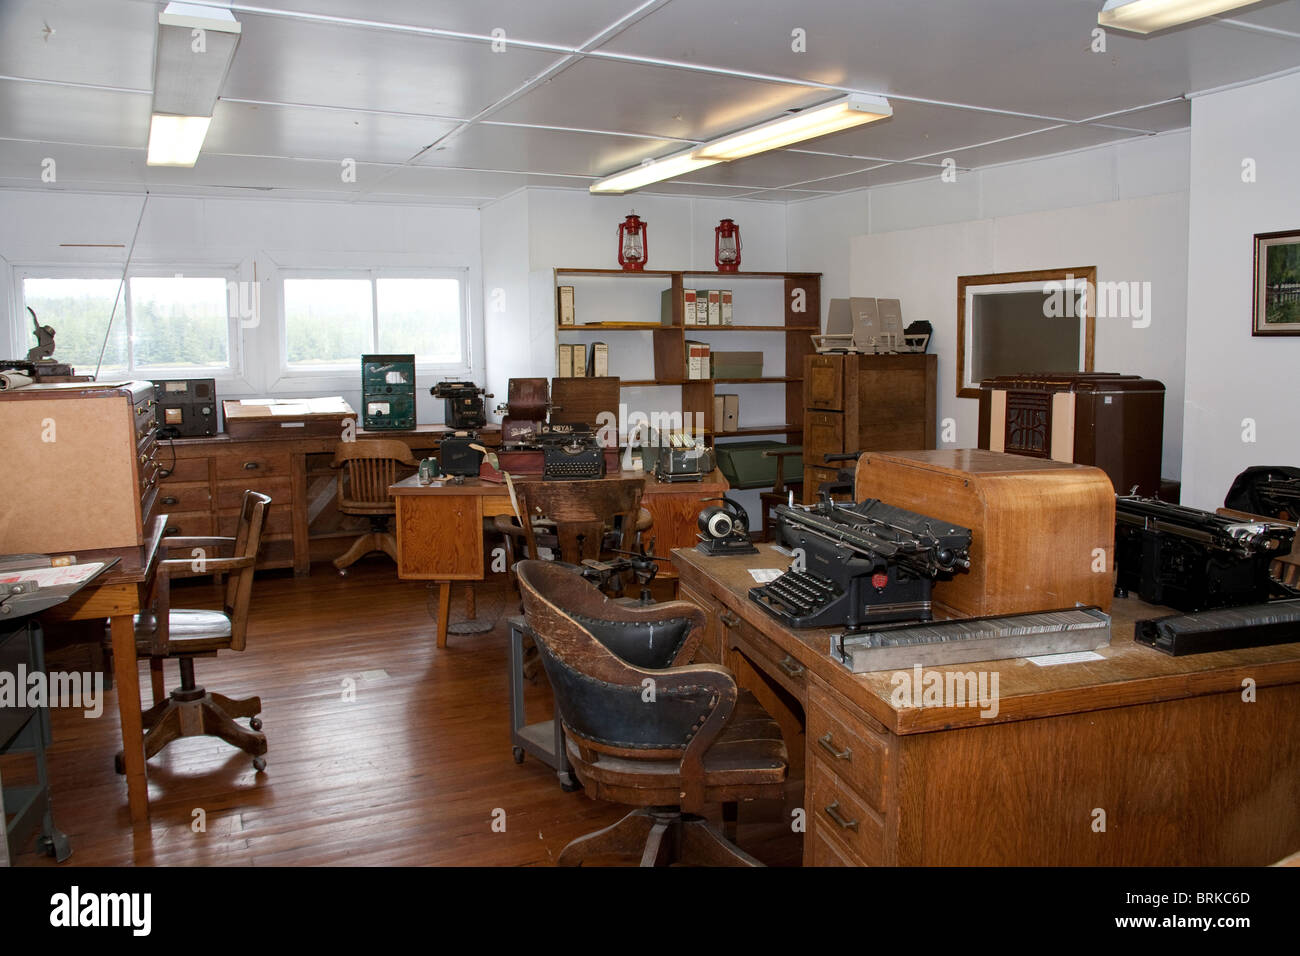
[
  {"x": 1042, "y": 532},
  {"x": 1113, "y": 421},
  {"x": 290, "y": 417}
]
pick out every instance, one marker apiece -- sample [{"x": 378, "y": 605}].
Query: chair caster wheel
[
  {"x": 255, "y": 723},
  {"x": 343, "y": 572},
  {"x": 259, "y": 764},
  {"x": 518, "y": 754},
  {"x": 571, "y": 786}
]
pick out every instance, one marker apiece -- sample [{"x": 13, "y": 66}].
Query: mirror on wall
[{"x": 1011, "y": 323}]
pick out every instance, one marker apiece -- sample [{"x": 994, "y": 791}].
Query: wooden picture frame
[
  {"x": 1277, "y": 253},
  {"x": 1080, "y": 281}
]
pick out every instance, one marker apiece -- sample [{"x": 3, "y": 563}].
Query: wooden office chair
[
  {"x": 166, "y": 632},
  {"x": 700, "y": 740},
  {"x": 583, "y": 513},
  {"x": 367, "y": 468},
  {"x": 780, "y": 493}
]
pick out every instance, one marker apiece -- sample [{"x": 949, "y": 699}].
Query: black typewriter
[
  {"x": 571, "y": 454},
  {"x": 860, "y": 564}
]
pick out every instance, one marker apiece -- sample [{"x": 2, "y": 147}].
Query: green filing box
[{"x": 744, "y": 465}]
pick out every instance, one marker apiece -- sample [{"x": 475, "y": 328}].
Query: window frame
[
  {"x": 324, "y": 373},
  {"x": 232, "y": 372}
]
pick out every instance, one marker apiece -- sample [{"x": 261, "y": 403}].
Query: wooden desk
[
  {"x": 440, "y": 526},
  {"x": 119, "y": 594},
  {"x": 1186, "y": 772},
  {"x": 204, "y": 491}
]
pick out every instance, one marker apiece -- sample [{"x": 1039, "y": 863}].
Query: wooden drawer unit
[
  {"x": 835, "y": 810},
  {"x": 184, "y": 496},
  {"x": 823, "y": 434},
  {"x": 821, "y": 850},
  {"x": 230, "y": 494},
  {"x": 848, "y": 748},
  {"x": 186, "y": 524},
  {"x": 247, "y": 463},
  {"x": 88, "y": 446},
  {"x": 766, "y": 656},
  {"x": 710, "y": 648},
  {"x": 184, "y": 469},
  {"x": 823, "y": 382}
]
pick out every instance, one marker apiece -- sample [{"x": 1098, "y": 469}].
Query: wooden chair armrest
[
  {"x": 199, "y": 542},
  {"x": 185, "y": 567},
  {"x": 719, "y": 683}
]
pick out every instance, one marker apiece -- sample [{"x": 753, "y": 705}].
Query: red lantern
[
  {"x": 633, "y": 244},
  {"x": 726, "y": 246}
]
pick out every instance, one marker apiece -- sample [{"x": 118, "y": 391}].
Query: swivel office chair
[
  {"x": 700, "y": 740},
  {"x": 367, "y": 468},
  {"x": 166, "y": 632}
]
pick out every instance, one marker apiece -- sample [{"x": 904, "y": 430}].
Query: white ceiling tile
[
  {"x": 63, "y": 114},
  {"x": 485, "y": 146},
  {"x": 104, "y": 42}
]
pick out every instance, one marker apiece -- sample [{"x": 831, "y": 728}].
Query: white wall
[
  {"x": 243, "y": 234},
  {"x": 1231, "y": 375},
  {"x": 1122, "y": 208}
]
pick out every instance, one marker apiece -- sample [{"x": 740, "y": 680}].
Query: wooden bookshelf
[{"x": 799, "y": 317}]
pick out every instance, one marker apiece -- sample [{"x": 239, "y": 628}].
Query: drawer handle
[
  {"x": 728, "y": 619},
  {"x": 829, "y": 746},
  {"x": 171, "y": 529},
  {"x": 169, "y": 500},
  {"x": 791, "y": 667},
  {"x": 833, "y": 811},
  {"x": 252, "y": 465}
]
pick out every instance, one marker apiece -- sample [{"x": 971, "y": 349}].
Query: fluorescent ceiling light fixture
[
  {"x": 843, "y": 113},
  {"x": 1148, "y": 16},
  {"x": 651, "y": 171},
  {"x": 194, "y": 49},
  {"x": 176, "y": 140}
]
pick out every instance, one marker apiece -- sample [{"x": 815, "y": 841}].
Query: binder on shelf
[
  {"x": 726, "y": 413},
  {"x": 565, "y": 367},
  {"x": 566, "y": 311},
  {"x": 701, "y": 308},
  {"x": 714, "y": 306},
  {"x": 599, "y": 361},
  {"x": 579, "y": 360},
  {"x": 725, "y": 295},
  {"x": 666, "y": 307},
  {"x": 697, "y": 360}
]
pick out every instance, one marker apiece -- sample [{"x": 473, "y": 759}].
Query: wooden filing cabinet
[
  {"x": 80, "y": 466},
  {"x": 864, "y": 403}
]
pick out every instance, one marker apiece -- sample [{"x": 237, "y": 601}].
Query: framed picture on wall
[{"x": 1277, "y": 284}]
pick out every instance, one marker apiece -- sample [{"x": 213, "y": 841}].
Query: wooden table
[
  {"x": 440, "y": 526},
  {"x": 1136, "y": 759},
  {"x": 119, "y": 594}
]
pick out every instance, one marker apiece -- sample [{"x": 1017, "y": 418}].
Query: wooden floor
[{"x": 409, "y": 773}]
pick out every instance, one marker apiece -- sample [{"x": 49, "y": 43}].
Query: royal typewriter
[
  {"x": 857, "y": 564},
  {"x": 573, "y": 453},
  {"x": 1193, "y": 560}
]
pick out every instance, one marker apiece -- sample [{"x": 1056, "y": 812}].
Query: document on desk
[
  {"x": 54, "y": 577},
  {"x": 766, "y": 575},
  {"x": 1071, "y": 657}
]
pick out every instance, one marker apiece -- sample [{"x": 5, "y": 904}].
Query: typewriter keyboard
[
  {"x": 800, "y": 594},
  {"x": 572, "y": 469}
]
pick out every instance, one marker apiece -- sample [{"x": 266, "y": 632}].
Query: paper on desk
[
  {"x": 764, "y": 575},
  {"x": 297, "y": 408},
  {"x": 54, "y": 577},
  {"x": 1071, "y": 657},
  {"x": 259, "y": 401}
]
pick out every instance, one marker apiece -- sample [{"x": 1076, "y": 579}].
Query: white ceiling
[{"x": 413, "y": 92}]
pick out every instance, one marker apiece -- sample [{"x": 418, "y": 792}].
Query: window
[
  {"x": 178, "y": 323},
  {"x": 329, "y": 321}
]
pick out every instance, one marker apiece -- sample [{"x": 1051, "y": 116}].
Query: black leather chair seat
[{"x": 749, "y": 752}]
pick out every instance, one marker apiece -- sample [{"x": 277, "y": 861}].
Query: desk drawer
[
  {"x": 252, "y": 464},
  {"x": 278, "y": 521},
  {"x": 186, "y": 524},
  {"x": 822, "y": 850},
  {"x": 765, "y": 655},
  {"x": 230, "y": 494},
  {"x": 823, "y": 434},
  {"x": 850, "y": 750},
  {"x": 834, "y": 809},
  {"x": 710, "y": 649},
  {"x": 185, "y": 469},
  {"x": 184, "y": 496},
  {"x": 823, "y": 381}
]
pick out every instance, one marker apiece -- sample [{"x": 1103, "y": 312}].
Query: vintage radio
[
  {"x": 187, "y": 407},
  {"x": 1042, "y": 532},
  {"x": 1113, "y": 421},
  {"x": 388, "y": 392}
]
